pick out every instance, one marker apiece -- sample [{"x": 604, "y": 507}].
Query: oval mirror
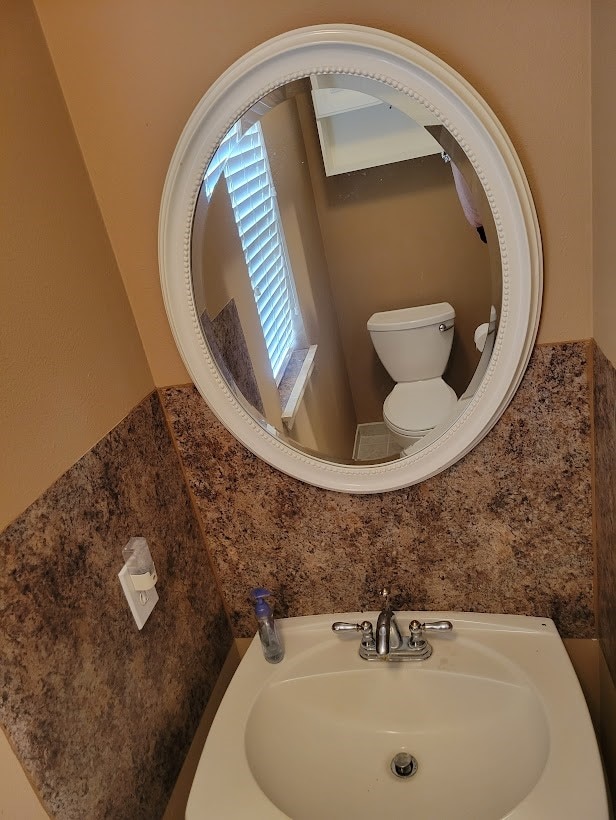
[{"x": 350, "y": 258}]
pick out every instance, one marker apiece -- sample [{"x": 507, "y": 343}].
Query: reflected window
[{"x": 242, "y": 159}]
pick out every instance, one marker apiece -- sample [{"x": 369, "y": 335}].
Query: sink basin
[{"x": 495, "y": 721}]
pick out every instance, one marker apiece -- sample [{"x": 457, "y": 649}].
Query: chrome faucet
[
  {"x": 388, "y": 636},
  {"x": 389, "y": 645}
]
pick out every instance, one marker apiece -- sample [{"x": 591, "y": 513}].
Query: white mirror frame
[{"x": 409, "y": 69}]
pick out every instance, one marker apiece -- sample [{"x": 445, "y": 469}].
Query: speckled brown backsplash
[
  {"x": 100, "y": 714},
  {"x": 507, "y": 529},
  {"x": 605, "y": 503}
]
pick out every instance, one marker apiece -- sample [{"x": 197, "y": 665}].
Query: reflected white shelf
[
  {"x": 358, "y": 130},
  {"x": 303, "y": 377}
]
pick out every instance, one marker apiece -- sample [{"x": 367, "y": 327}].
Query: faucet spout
[{"x": 388, "y": 634}]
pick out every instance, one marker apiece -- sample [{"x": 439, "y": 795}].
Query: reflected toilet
[{"x": 414, "y": 345}]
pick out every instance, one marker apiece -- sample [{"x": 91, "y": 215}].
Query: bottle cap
[{"x": 261, "y": 606}]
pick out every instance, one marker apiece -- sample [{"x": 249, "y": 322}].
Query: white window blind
[{"x": 242, "y": 158}]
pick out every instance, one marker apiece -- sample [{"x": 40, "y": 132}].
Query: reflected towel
[{"x": 466, "y": 200}]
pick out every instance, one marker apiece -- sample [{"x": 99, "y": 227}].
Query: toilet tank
[{"x": 409, "y": 342}]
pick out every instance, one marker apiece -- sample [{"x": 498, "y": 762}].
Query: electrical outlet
[{"x": 141, "y": 603}]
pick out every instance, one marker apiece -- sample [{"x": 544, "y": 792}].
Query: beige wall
[
  {"x": 71, "y": 358},
  {"x": 604, "y": 175},
  {"x": 18, "y": 798},
  {"x": 604, "y": 279},
  {"x": 71, "y": 361},
  {"x": 132, "y": 72}
]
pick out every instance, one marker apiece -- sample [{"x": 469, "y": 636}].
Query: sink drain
[{"x": 404, "y": 765}]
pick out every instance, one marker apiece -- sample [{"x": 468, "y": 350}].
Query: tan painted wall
[
  {"x": 604, "y": 273},
  {"x": 133, "y": 71},
  {"x": 71, "y": 359},
  {"x": 604, "y": 175},
  {"x": 18, "y": 798}
]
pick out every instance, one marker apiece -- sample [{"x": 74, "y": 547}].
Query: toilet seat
[{"x": 415, "y": 408}]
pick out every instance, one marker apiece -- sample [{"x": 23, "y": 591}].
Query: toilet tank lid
[{"x": 407, "y": 318}]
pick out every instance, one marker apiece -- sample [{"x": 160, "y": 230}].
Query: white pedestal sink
[{"x": 495, "y": 719}]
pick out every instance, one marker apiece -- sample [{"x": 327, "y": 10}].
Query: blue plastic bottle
[{"x": 270, "y": 640}]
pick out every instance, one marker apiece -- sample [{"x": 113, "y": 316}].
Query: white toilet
[{"x": 414, "y": 345}]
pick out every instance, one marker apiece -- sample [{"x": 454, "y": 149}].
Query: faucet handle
[
  {"x": 437, "y": 626},
  {"x": 365, "y": 627},
  {"x": 417, "y": 629}
]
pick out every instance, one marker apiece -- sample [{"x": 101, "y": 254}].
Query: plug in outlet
[{"x": 141, "y": 603}]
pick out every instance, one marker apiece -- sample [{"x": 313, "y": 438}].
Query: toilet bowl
[
  {"x": 413, "y": 409},
  {"x": 414, "y": 345}
]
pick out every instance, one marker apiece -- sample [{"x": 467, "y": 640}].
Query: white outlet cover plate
[{"x": 141, "y": 611}]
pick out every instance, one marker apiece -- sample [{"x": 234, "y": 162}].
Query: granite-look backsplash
[
  {"x": 100, "y": 714},
  {"x": 507, "y": 529},
  {"x": 605, "y": 503}
]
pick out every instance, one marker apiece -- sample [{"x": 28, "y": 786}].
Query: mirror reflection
[{"x": 346, "y": 269}]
